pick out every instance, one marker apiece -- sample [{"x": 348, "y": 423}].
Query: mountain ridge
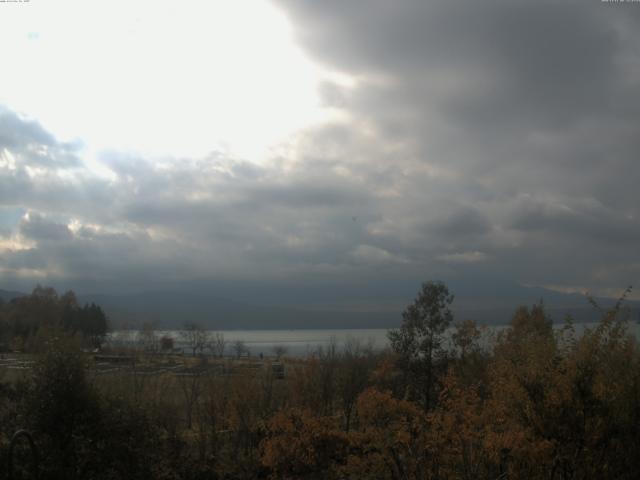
[{"x": 172, "y": 309}]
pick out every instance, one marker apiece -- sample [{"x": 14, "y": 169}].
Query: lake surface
[
  {"x": 296, "y": 342},
  {"x": 303, "y": 342}
]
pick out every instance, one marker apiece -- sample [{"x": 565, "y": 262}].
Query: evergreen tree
[{"x": 418, "y": 342}]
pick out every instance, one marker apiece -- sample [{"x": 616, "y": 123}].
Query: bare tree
[
  {"x": 279, "y": 351},
  {"x": 328, "y": 362},
  {"x": 356, "y": 362},
  {"x": 166, "y": 343},
  {"x": 217, "y": 344},
  {"x": 191, "y": 385},
  {"x": 195, "y": 336},
  {"x": 240, "y": 348},
  {"x": 147, "y": 338},
  {"x": 126, "y": 337}
]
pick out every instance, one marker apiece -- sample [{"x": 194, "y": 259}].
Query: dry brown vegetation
[{"x": 532, "y": 402}]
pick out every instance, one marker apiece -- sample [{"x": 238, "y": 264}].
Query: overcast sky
[{"x": 341, "y": 150}]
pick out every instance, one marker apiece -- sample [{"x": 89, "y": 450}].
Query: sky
[{"x": 334, "y": 152}]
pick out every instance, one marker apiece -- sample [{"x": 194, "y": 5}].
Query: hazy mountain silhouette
[
  {"x": 173, "y": 309},
  {"x": 7, "y": 295},
  {"x": 492, "y": 303}
]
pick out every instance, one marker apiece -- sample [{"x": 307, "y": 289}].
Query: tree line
[{"x": 22, "y": 318}]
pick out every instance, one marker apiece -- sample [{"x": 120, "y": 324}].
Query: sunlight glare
[{"x": 159, "y": 78}]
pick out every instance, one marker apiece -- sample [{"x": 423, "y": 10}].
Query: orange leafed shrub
[
  {"x": 391, "y": 440},
  {"x": 301, "y": 445}
]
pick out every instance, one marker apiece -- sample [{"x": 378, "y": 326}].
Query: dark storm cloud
[
  {"x": 305, "y": 193},
  {"x": 586, "y": 222},
  {"x": 39, "y": 172},
  {"x": 493, "y": 140},
  {"x": 526, "y": 115},
  {"x": 48, "y": 191},
  {"x": 36, "y": 227},
  {"x": 553, "y": 58},
  {"x": 466, "y": 221},
  {"x": 485, "y": 66},
  {"x": 175, "y": 220},
  {"x": 16, "y": 133},
  {"x": 31, "y": 259},
  {"x": 31, "y": 144}
]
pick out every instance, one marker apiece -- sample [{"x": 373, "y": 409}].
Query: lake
[
  {"x": 296, "y": 342},
  {"x": 302, "y": 342}
]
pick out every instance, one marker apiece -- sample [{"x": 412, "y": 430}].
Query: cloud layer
[{"x": 494, "y": 141}]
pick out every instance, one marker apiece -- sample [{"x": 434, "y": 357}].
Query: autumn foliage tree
[
  {"x": 392, "y": 441},
  {"x": 300, "y": 444}
]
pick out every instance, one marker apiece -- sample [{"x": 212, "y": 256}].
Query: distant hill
[
  {"x": 490, "y": 304},
  {"x": 7, "y": 295},
  {"x": 495, "y": 302},
  {"x": 173, "y": 309}
]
